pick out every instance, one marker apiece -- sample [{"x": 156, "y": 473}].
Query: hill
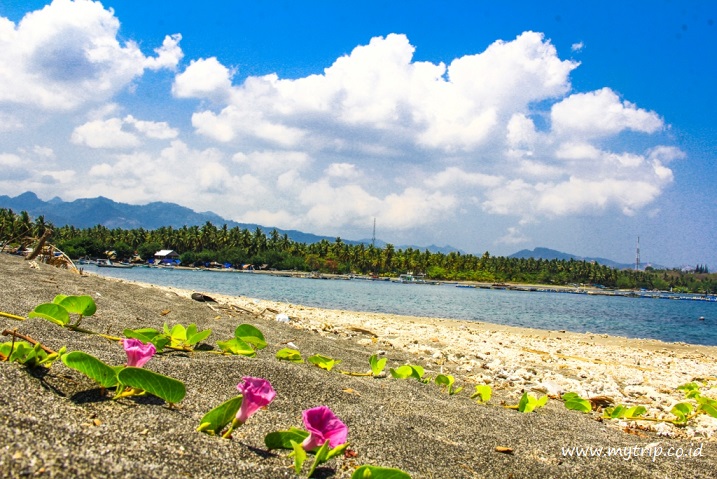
[
  {"x": 89, "y": 212},
  {"x": 548, "y": 254}
]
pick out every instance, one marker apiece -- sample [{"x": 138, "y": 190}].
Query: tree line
[{"x": 199, "y": 245}]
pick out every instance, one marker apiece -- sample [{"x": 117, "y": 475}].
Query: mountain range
[{"x": 89, "y": 212}]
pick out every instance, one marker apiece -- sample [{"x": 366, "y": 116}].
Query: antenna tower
[
  {"x": 637, "y": 255},
  {"x": 373, "y": 238}
]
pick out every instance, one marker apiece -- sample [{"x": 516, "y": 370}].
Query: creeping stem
[{"x": 12, "y": 316}]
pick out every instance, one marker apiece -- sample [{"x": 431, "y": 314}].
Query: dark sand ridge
[{"x": 57, "y": 424}]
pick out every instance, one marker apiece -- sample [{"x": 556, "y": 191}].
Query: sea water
[{"x": 666, "y": 320}]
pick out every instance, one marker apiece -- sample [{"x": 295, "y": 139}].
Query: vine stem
[
  {"x": 15, "y": 334},
  {"x": 12, "y": 316}
]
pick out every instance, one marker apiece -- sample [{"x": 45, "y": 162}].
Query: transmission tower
[{"x": 637, "y": 255}]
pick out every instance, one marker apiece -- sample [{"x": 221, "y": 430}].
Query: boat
[
  {"x": 109, "y": 264},
  {"x": 410, "y": 278}
]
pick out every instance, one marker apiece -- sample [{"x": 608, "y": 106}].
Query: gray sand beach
[{"x": 56, "y": 423}]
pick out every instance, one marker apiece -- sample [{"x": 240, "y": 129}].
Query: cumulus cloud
[
  {"x": 203, "y": 78},
  {"x": 104, "y": 134},
  {"x": 379, "y": 92},
  {"x": 376, "y": 134},
  {"x": 601, "y": 113},
  {"x": 110, "y": 133},
  {"x": 67, "y": 54}
]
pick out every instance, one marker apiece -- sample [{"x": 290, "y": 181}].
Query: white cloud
[
  {"x": 455, "y": 176},
  {"x": 203, "y": 78},
  {"x": 168, "y": 55},
  {"x": 343, "y": 170},
  {"x": 380, "y": 91},
  {"x": 513, "y": 236},
  {"x": 10, "y": 160},
  {"x": 158, "y": 130},
  {"x": 110, "y": 133},
  {"x": 576, "y": 47},
  {"x": 601, "y": 113},
  {"x": 272, "y": 162},
  {"x": 9, "y": 122},
  {"x": 104, "y": 134},
  {"x": 67, "y": 54}
]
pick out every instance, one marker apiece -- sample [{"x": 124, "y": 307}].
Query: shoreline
[
  {"x": 514, "y": 358},
  {"x": 58, "y": 423}
]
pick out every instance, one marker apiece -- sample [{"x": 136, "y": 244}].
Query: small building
[{"x": 166, "y": 256}]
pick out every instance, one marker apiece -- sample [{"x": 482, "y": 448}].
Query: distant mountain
[
  {"x": 89, "y": 212},
  {"x": 546, "y": 253}
]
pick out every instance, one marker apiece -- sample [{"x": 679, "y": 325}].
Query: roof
[{"x": 166, "y": 252}]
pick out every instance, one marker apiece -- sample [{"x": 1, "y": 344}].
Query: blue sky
[{"x": 489, "y": 126}]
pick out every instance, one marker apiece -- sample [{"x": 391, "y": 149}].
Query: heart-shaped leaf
[
  {"x": 377, "y": 365},
  {"x": 215, "y": 420},
  {"x": 52, "y": 312},
  {"x": 299, "y": 457},
  {"x": 576, "y": 403},
  {"x": 282, "y": 439},
  {"x": 236, "y": 346},
  {"x": 103, "y": 374},
  {"x": 82, "y": 305},
  {"x": 324, "y": 362},
  {"x": 164, "y": 387},
  {"x": 287, "y": 354},
  {"x": 483, "y": 392},
  {"x": 374, "y": 472},
  {"x": 250, "y": 334}
]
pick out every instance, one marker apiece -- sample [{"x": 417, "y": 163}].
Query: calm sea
[{"x": 666, "y": 320}]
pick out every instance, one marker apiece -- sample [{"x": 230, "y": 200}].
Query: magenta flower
[
  {"x": 323, "y": 426},
  {"x": 138, "y": 353},
  {"x": 257, "y": 393}
]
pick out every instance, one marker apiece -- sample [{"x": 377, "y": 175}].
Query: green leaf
[
  {"x": 215, "y": 420},
  {"x": 408, "y": 371},
  {"x": 528, "y": 403},
  {"x": 681, "y": 411},
  {"x": 250, "y": 334},
  {"x": 197, "y": 337},
  {"x": 336, "y": 451},
  {"x": 178, "y": 335},
  {"x": 191, "y": 330},
  {"x": 418, "y": 372},
  {"x": 24, "y": 353},
  {"x": 164, "y": 387},
  {"x": 52, "y": 312},
  {"x": 283, "y": 439},
  {"x": 377, "y": 365},
  {"x": 446, "y": 382},
  {"x": 51, "y": 358},
  {"x": 82, "y": 305},
  {"x": 402, "y": 372},
  {"x": 483, "y": 392},
  {"x": 324, "y": 362},
  {"x": 236, "y": 346},
  {"x": 320, "y": 457},
  {"x": 635, "y": 411},
  {"x": 103, "y": 374},
  {"x": 59, "y": 298},
  {"x": 299, "y": 457},
  {"x": 576, "y": 403},
  {"x": 709, "y": 406},
  {"x": 287, "y": 354},
  {"x": 148, "y": 335},
  {"x": 374, "y": 472}
]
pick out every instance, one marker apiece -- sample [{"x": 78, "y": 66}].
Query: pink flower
[
  {"x": 257, "y": 393},
  {"x": 138, "y": 353},
  {"x": 323, "y": 426}
]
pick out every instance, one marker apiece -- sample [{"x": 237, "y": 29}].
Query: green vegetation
[{"x": 235, "y": 246}]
